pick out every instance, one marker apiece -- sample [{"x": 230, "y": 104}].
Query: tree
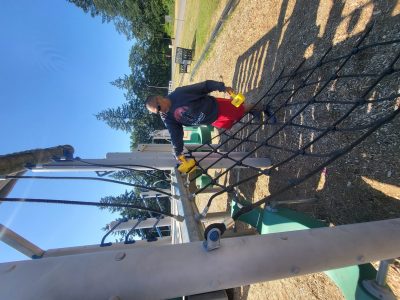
[
  {"x": 120, "y": 118},
  {"x": 134, "y": 18},
  {"x": 141, "y": 21},
  {"x": 155, "y": 178},
  {"x": 89, "y": 6}
]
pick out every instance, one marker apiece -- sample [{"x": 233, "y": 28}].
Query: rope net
[
  {"x": 318, "y": 120},
  {"x": 313, "y": 121}
]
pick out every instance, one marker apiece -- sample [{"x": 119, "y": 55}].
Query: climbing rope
[{"x": 300, "y": 92}]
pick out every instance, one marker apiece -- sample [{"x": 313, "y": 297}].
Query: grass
[
  {"x": 200, "y": 20},
  {"x": 205, "y": 19},
  {"x": 210, "y": 49}
]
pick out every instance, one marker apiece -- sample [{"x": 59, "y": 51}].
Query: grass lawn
[{"x": 200, "y": 19}]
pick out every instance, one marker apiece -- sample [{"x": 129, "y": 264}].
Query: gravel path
[{"x": 262, "y": 37}]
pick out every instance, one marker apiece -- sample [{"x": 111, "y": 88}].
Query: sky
[{"x": 56, "y": 65}]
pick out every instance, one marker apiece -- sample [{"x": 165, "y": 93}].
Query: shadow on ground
[{"x": 362, "y": 185}]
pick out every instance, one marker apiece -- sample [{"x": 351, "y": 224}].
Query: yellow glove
[
  {"x": 237, "y": 99},
  {"x": 186, "y": 165}
]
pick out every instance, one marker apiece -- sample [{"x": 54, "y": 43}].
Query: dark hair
[{"x": 150, "y": 100}]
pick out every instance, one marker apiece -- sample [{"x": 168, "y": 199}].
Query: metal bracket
[
  {"x": 379, "y": 291},
  {"x": 213, "y": 240},
  {"x": 127, "y": 241},
  {"x": 102, "y": 244},
  {"x": 378, "y": 287},
  {"x": 103, "y": 173},
  {"x": 212, "y": 236}
]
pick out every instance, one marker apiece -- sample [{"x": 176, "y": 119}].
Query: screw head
[
  {"x": 214, "y": 236},
  {"x": 120, "y": 256},
  {"x": 10, "y": 268}
]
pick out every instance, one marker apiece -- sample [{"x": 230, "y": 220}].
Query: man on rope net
[{"x": 192, "y": 105}]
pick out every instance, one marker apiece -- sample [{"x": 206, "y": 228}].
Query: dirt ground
[{"x": 259, "y": 39}]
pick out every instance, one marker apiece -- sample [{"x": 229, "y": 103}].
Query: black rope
[
  {"x": 257, "y": 128},
  {"x": 88, "y": 203},
  {"x": 354, "y": 51},
  {"x": 344, "y": 102},
  {"x": 302, "y": 150},
  {"x": 102, "y": 243},
  {"x": 224, "y": 130},
  {"x": 239, "y": 130},
  {"x": 88, "y": 178},
  {"x": 345, "y": 150},
  {"x": 291, "y": 86},
  {"x": 132, "y": 230}
]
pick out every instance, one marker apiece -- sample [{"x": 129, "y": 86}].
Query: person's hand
[
  {"x": 229, "y": 90},
  {"x": 180, "y": 158},
  {"x": 186, "y": 164}
]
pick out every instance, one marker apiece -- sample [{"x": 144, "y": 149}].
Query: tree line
[{"x": 143, "y": 23}]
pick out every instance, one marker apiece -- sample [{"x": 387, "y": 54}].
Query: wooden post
[
  {"x": 170, "y": 271},
  {"x": 19, "y": 243}
]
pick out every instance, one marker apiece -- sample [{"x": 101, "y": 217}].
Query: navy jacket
[{"x": 191, "y": 105}]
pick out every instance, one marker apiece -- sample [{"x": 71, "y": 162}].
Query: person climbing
[{"x": 192, "y": 105}]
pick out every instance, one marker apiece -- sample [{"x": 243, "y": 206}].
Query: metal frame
[{"x": 186, "y": 268}]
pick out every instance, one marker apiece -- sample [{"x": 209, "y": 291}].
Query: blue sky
[{"x": 56, "y": 63}]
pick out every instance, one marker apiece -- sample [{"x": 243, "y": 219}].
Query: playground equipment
[
  {"x": 201, "y": 259},
  {"x": 293, "y": 253},
  {"x": 351, "y": 280},
  {"x": 198, "y": 135}
]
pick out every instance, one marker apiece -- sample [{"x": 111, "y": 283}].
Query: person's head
[{"x": 156, "y": 104}]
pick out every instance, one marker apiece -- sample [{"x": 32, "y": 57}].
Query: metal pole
[
  {"x": 171, "y": 271},
  {"x": 382, "y": 272},
  {"x": 148, "y": 223},
  {"x": 190, "y": 229},
  {"x": 152, "y": 215},
  {"x": 378, "y": 287},
  {"x": 139, "y": 160},
  {"x": 57, "y": 252},
  {"x": 151, "y": 194},
  {"x": 157, "y": 87}
]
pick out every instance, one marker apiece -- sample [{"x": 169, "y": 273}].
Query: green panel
[
  {"x": 205, "y": 134},
  {"x": 348, "y": 279},
  {"x": 285, "y": 219},
  {"x": 253, "y": 218},
  {"x": 203, "y": 181},
  {"x": 195, "y": 138},
  {"x": 198, "y": 134}
]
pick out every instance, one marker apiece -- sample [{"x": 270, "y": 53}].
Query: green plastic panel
[
  {"x": 198, "y": 134},
  {"x": 348, "y": 279}
]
